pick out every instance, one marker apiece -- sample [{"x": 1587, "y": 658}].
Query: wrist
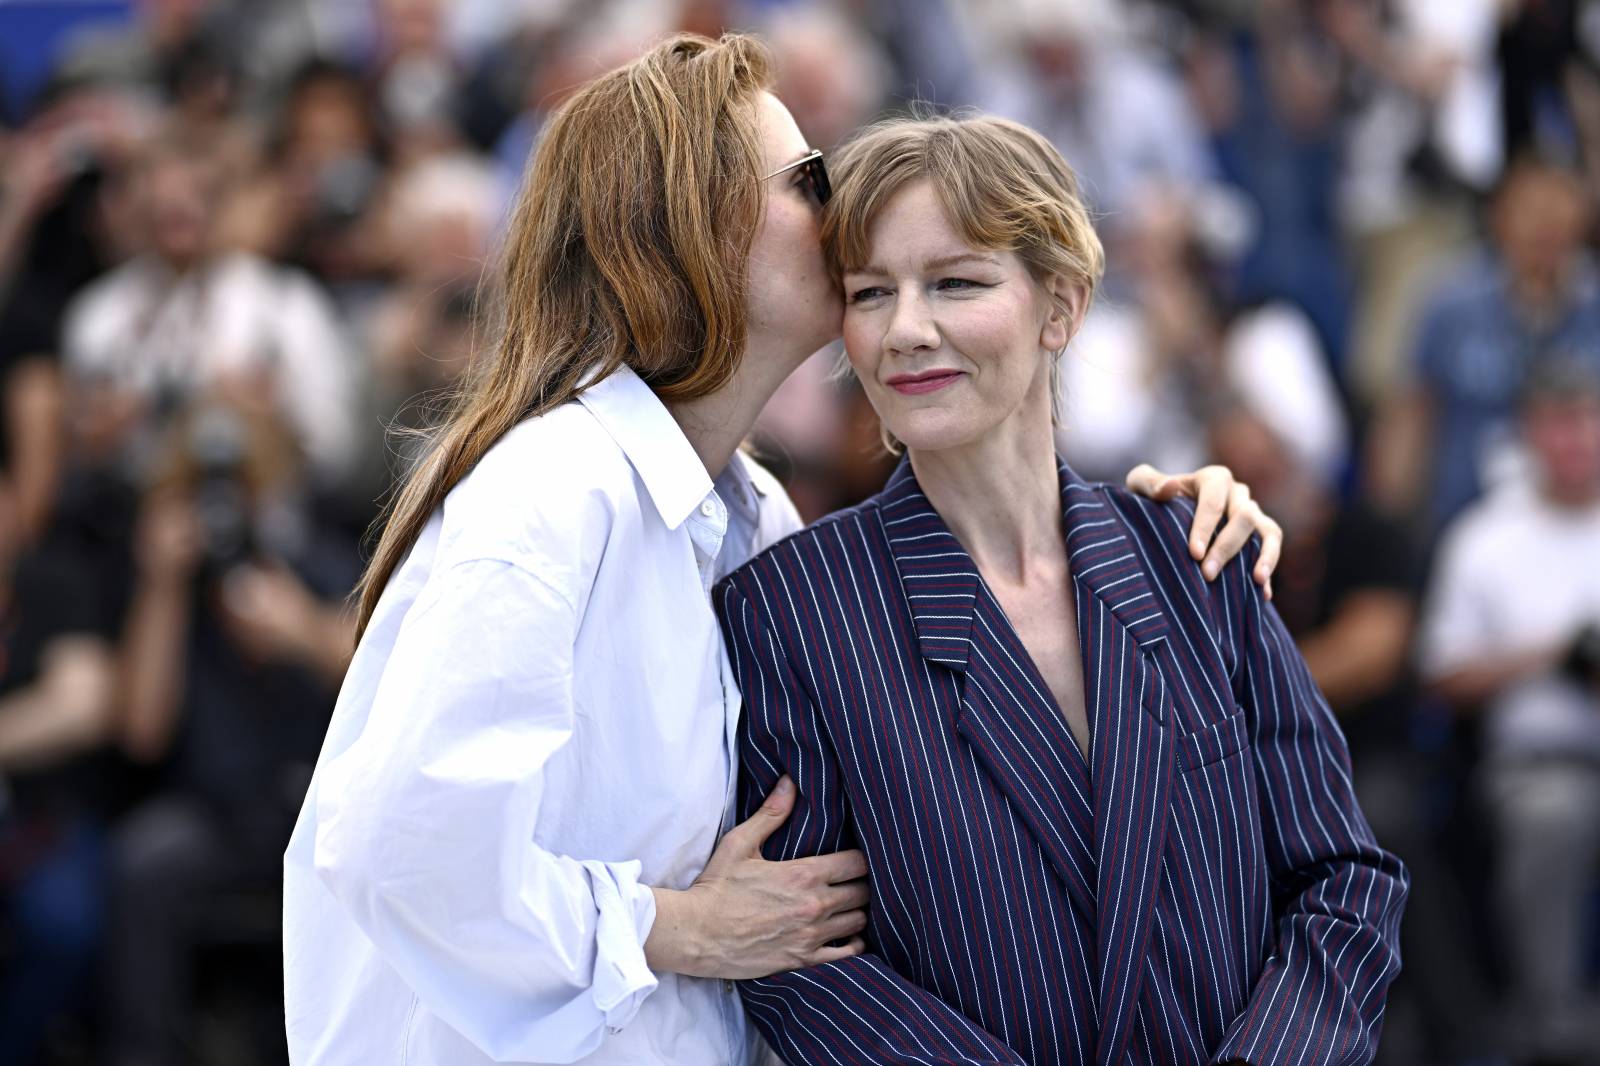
[{"x": 676, "y": 943}]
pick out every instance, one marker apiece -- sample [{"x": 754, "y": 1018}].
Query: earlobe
[{"x": 1057, "y": 329}]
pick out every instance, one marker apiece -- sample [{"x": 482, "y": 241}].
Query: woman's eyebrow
[
  {"x": 933, "y": 264},
  {"x": 963, "y": 257}
]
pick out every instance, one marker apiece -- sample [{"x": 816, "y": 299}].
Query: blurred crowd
[{"x": 1351, "y": 256}]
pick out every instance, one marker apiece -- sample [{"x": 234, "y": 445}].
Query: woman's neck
[
  {"x": 1001, "y": 497},
  {"x": 717, "y": 424}
]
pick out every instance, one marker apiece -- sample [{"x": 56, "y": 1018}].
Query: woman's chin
[{"x": 931, "y": 432}]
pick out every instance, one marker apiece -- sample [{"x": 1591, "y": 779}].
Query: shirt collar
[
  {"x": 739, "y": 489},
  {"x": 650, "y": 437}
]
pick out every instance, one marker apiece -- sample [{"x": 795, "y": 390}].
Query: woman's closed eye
[
  {"x": 870, "y": 292},
  {"x": 958, "y": 285}
]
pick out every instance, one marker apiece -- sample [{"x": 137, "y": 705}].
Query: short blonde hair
[{"x": 1003, "y": 186}]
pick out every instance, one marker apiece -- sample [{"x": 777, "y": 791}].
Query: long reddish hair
[{"x": 628, "y": 246}]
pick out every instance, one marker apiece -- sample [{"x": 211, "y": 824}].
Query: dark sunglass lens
[{"x": 817, "y": 174}]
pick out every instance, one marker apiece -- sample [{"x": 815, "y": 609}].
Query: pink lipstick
[{"x": 925, "y": 382}]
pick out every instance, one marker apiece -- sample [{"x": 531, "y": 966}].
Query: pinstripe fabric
[{"x": 1203, "y": 888}]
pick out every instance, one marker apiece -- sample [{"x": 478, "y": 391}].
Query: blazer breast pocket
[{"x": 1213, "y": 743}]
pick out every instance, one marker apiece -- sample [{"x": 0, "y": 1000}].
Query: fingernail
[
  {"x": 785, "y": 786},
  {"x": 1210, "y": 570}
]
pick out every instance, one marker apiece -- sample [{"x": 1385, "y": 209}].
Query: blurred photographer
[
  {"x": 185, "y": 314},
  {"x": 234, "y": 644},
  {"x": 1509, "y": 631},
  {"x": 310, "y": 199}
]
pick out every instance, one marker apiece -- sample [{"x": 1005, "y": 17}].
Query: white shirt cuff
[{"x": 622, "y": 980}]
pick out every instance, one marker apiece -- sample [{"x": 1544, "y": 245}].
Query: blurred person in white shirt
[
  {"x": 185, "y": 316},
  {"x": 1512, "y": 629}
]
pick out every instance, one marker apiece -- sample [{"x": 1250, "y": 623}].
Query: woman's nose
[{"x": 911, "y": 329}]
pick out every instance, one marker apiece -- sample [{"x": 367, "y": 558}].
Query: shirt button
[{"x": 708, "y": 508}]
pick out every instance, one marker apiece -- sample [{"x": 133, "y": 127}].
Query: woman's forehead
[
  {"x": 781, "y": 138},
  {"x": 912, "y": 230}
]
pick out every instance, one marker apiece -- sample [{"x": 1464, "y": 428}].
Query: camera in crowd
[
  {"x": 231, "y": 460},
  {"x": 218, "y": 448}
]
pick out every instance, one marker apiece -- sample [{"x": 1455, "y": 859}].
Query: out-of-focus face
[
  {"x": 952, "y": 343},
  {"x": 1539, "y": 220},
  {"x": 180, "y": 200},
  {"x": 412, "y": 26},
  {"x": 1564, "y": 434},
  {"x": 1244, "y": 444},
  {"x": 328, "y": 121},
  {"x": 791, "y": 293},
  {"x": 827, "y": 79}
]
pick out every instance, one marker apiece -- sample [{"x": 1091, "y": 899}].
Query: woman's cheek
[{"x": 859, "y": 345}]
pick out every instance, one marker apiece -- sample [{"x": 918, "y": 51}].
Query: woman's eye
[
  {"x": 871, "y": 292},
  {"x": 958, "y": 284}
]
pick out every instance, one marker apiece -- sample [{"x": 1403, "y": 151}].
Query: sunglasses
[{"x": 816, "y": 174}]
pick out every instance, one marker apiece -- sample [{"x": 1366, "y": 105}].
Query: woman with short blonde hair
[{"x": 1107, "y": 816}]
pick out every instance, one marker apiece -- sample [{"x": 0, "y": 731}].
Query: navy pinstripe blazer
[{"x": 1202, "y": 888}]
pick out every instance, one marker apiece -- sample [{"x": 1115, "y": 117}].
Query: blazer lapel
[
  {"x": 1005, "y": 715},
  {"x": 939, "y": 578},
  {"x": 1120, "y": 628}
]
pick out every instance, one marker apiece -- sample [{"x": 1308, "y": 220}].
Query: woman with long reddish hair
[{"x": 510, "y": 850}]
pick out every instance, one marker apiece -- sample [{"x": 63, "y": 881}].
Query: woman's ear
[{"x": 1068, "y": 304}]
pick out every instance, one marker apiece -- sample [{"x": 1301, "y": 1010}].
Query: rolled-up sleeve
[{"x": 426, "y": 827}]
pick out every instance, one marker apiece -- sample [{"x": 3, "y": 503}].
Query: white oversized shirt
[{"x": 537, "y": 725}]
